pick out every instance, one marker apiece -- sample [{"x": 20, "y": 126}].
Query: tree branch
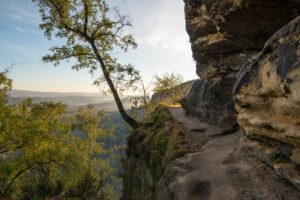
[
  {"x": 66, "y": 26},
  {"x": 19, "y": 173},
  {"x": 58, "y": 58},
  {"x": 7, "y": 70},
  {"x": 7, "y": 150},
  {"x": 86, "y": 16}
]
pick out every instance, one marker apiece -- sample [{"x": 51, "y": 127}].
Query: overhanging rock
[{"x": 224, "y": 35}]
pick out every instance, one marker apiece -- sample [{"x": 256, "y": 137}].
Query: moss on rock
[{"x": 157, "y": 144}]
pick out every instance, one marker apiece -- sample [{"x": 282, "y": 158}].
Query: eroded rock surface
[
  {"x": 268, "y": 102},
  {"x": 267, "y": 91},
  {"x": 211, "y": 101},
  {"x": 220, "y": 30},
  {"x": 224, "y": 35}
]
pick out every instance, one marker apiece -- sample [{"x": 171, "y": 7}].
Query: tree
[
  {"x": 5, "y": 84},
  {"x": 169, "y": 87},
  {"x": 41, "y": 156},
  {"x": 91, "y": 35}
]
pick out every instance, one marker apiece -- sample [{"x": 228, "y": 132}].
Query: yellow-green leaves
[
  {"x": 169, "y": 87},
  {"x": 42, "y": 157}
]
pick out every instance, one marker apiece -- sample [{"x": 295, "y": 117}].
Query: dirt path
[
  {"x": 197, "y": 132},
  {"x": 217, "y": 170}
]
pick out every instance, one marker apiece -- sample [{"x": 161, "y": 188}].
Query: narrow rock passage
[{"x": 216, "y": 170}]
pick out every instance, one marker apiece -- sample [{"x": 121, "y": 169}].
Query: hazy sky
[{"x": 159, "y": 29}]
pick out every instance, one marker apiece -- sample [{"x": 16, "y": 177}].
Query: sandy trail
[{"x": 216, "y": 170}]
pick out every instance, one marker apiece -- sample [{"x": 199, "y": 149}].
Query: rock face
[
  {"x": 250, "y": 48},
  {"x": 220, "y": 30},
  {"x": 137, "y": 180},
  {"x": 211, "y": 101},
  {"x": 225, "y": 34},
  {"x": 268, "y": 102},
  {"x": 267, "y": 89}
]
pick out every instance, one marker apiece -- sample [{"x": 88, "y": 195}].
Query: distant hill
[
  {"x": 73, "y": 100},
  {"x": 27, "y": 93}
]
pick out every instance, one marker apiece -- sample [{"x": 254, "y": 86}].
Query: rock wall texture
[
  {"x": 212, "y": 102},
  {"x": 249, "y": 49},
  {"x": 267, "y": 96},
  {"x": 267, "y": 91},
  {"x": 220, "y": 30},
  {"x": 224, "y": 35}
]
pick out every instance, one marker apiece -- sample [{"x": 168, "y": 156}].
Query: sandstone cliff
[
  {"x": 224, "y": 35},
  {"x": 268, "y": 101},
  {"x": 245, "y": 108}
]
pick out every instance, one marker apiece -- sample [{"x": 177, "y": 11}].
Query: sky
[{"x": 158, "y": 27}]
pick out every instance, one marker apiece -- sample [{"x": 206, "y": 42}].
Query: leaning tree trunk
[{"x": 129, "y": 120}]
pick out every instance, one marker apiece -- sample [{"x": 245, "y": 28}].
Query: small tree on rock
[{"x": 169, "y": 87}]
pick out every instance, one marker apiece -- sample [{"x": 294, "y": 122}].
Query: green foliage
[
  {"x": 5, "y": 85},
  {"x": 159, "y": 142},
  {"x": 169, "y": 87},
  {"x": 166, "y": 82},
  {"x": 160, "y": 116},
  {"x": 40, "y": 156},
  {"x": 277, "y": 157}
]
